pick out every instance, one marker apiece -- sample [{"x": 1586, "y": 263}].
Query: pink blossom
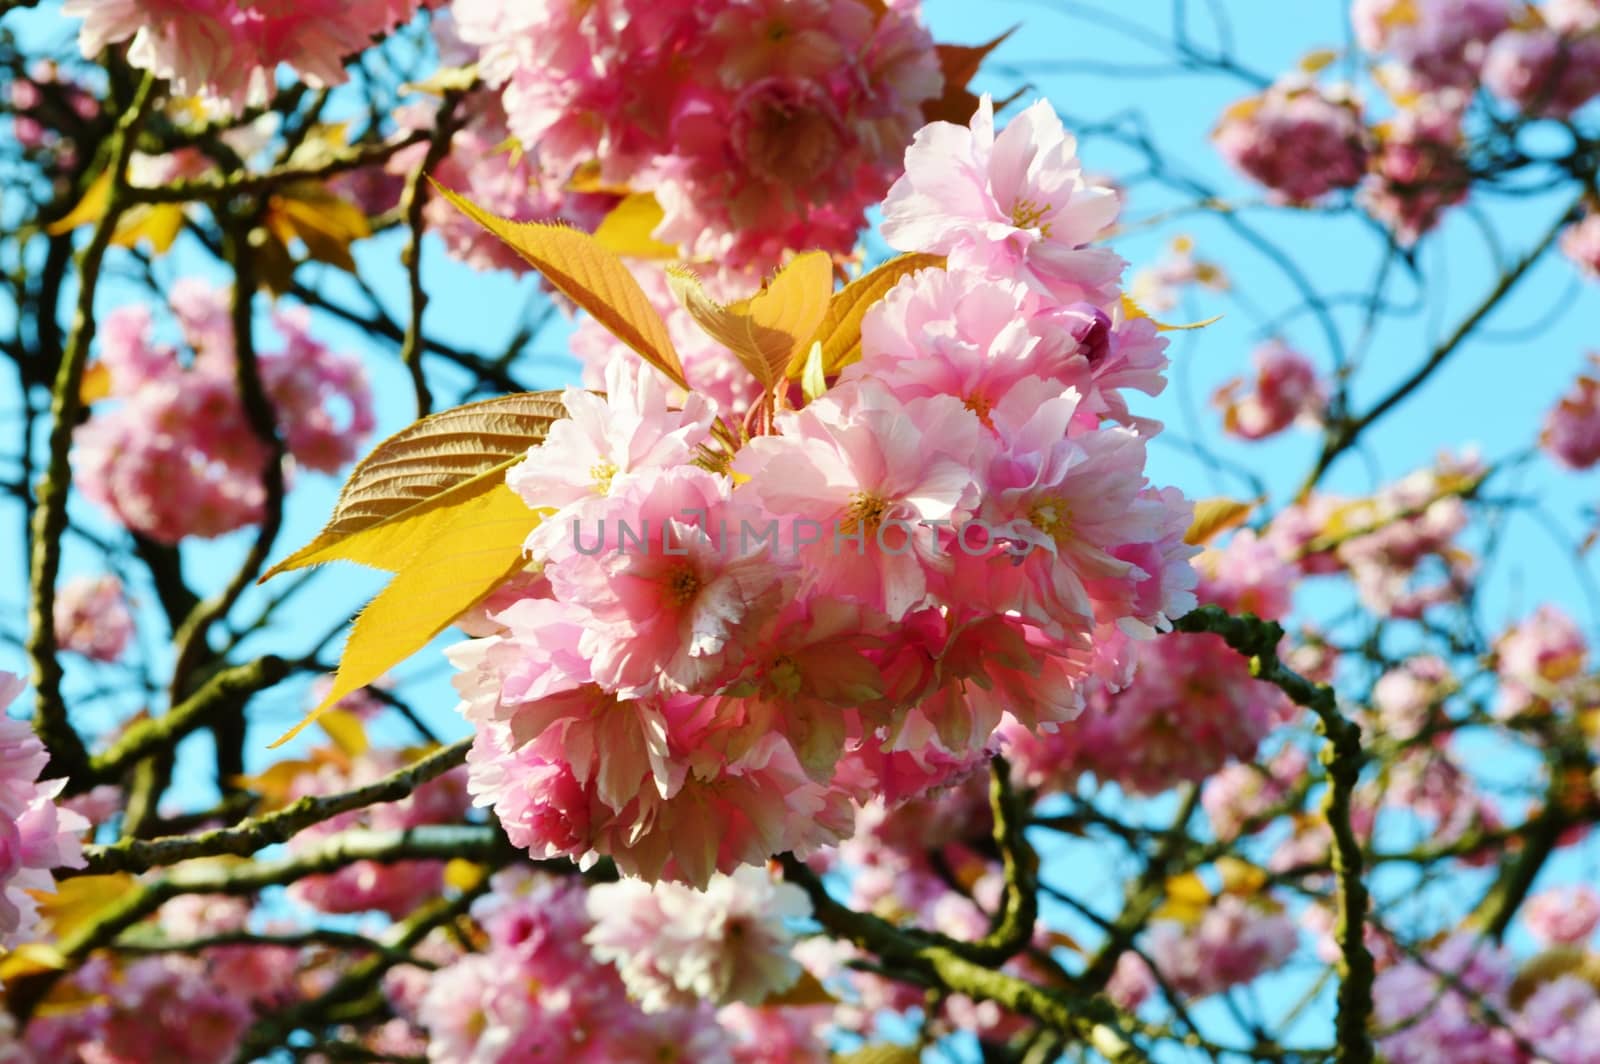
[
  {"x": 36, "y": 835},
  {"x": 604, "y": 440},
  {"x": 92, "y": 618},
  {"x": 674, "y": 945},
  {"x": 1418, "y": 169},
  {"x": 1563, "y": 916},
  {"x": 859, "y": 462},
  {"x": 1234, "y": 943},
  {"x": 1246, "y": 576},
  {"x": 1440, "y": 43},
  {"x": 1536, "y": 658},
  {"x": 1015, "y": 205},
  {"x": 1285, "y": 390},
  {"x": 1420, "y": 1017},
  {"x": 1296, "y": 139},
  {"x": 1241, "y": 794},
  {"x": 1572, "y": 427},
  {"x": 1406, "y": 697},
  {"x": 1544, "y": 73}
]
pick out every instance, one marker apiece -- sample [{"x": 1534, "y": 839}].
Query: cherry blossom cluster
[
  {"x": 758, "y": 125},
  {"x": 1571, "y": 433},
  {"x": 957, "y": 529},
  {"x": 92, "y": 618},
  {"x": 1285, "y": 390},
  {"x": 231, "y": 49},
  {"x": 1398, "y": 545},
  {"x": 1302, "y": 140},
  {"x": 554, "y": 980},
  {"x": 36, "y": 835},
  {"x": 1192, "y": 707},
  {"x": 171, "y": 452}
]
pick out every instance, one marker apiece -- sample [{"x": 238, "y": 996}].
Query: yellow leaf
[
  {"x": 1215, "y": 516},
  {"x": 879, "y": 1053},
  {"x": 96, "y": 383},
  {"x": 806, "y": 991},
  {"x": 812, "y": 380},
  {"x": 767, "y": 330},
  {"x": 586, "y": 179},
  {"x": 1317, "y": 60},
  {"x": 475, "y": 546},
  {"x": 1241, "y": 877},
  {"x": 461, "y": 874},
  {"x": 589, "y": 275},
  {"x": 1133, "y": 310},
  {"x": 276, "y": 783},
  {"x": 91, "y": 208},
  {"x": 158, "y": 224},
  {"x": 393, "y": 501},
  {"x": 346, "y": 731},
  {"x": 626, "y": 230},
  {"x": 840, "y": 331},
  {"x": 1187, "y": 899},
  {"x": 30, "y": 958},
  {"x": 445, "y": 80},
  {"x": 326, "y": 224},
  {"x": 78, "y": 901}
]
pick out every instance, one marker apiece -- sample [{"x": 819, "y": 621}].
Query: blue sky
[{"x": 1094, "y": 62}]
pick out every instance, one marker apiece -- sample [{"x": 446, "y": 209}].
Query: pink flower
[
  {"x": 1014, "y": 205},
  {"x": 1244, "y": 793},
  {"x": 1418, "y": 169},
  {"x": 1544, "y": 73},
  {"x": 1246, "y": 576},
  {"x": 92, "y": 618},
  {"x": 667, "y": 587},
  {"x": 1233, "y": 944},
  {"x": 1430, "y": 1010},
  {"x": 1536, "y": 659},
  {"x": 674, "y": 945},
  {"x": 36, "y": 835},
  {"x": 867, "y": 474},
  {"x": 1285, "y": 390},
  {"x": 1294, "y": 138},
  {"x": 1439, "y": 42},
  {"x": 1406, "y": 697},
  {"x": 603, "y": 440},
  {"x": 1572, "y": 427},
  {"x": 1563, "y": 916}
]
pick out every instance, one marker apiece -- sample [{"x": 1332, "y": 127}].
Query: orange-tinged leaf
[
  {"x": 767, "y": 331},
  {"x": 325, "y": 223},
  {"x": 392, "y": 502},
  {"x": 96, "y": 383},
  {"x": 346, "y": 731},
  {"x": 91, "y": 208},
  {"x": 589, "y": 275},
  {"x": 1212, "y": 517},
  {"x": 959, "y": 64},
  {"x": 586, "y": 178},
  {"x": 476, "y": 546},
  {"x": 626, "y": 230},
  {"x": 840, "y": 331},
  {"x": 79, "y": 900},
  {"x": 275, "y": 784},
  {"x": 806, "y": 991}
]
